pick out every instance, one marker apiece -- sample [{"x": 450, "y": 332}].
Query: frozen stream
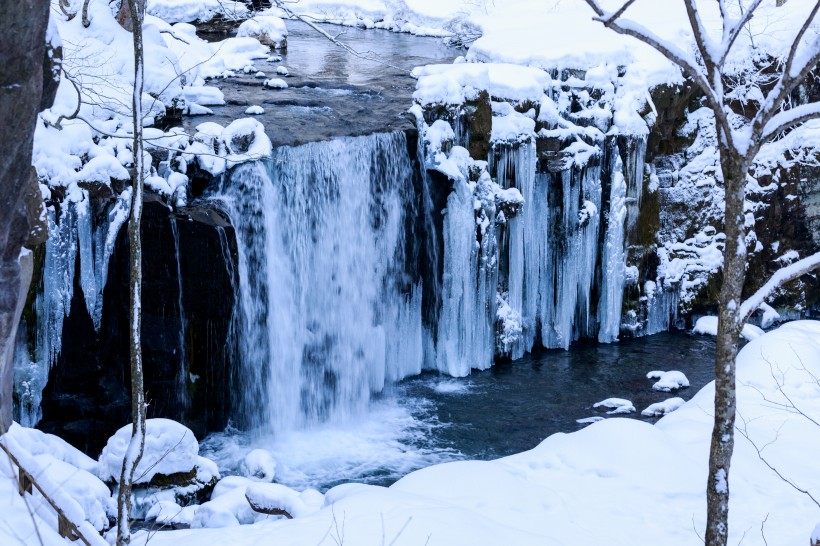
[{"x": 510, "y": 408}]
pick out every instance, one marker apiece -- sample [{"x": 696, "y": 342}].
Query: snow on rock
[
  {"x": 275, "y": 83},
  {"x": 668, "y": 381},
  {"x": 708, "y": 325},
  {"x": 186, "y": 11},
  {"x": 662, "y": 408},
  {"x": 617, "y": 405},
  {"x": 453, "y": 84},
  {"x": 37, "y": 442},
  {"x": 170, "y": 448},
  {"x": 204, "y": 95},
  {"x": 87, "y": 490},
  {"x": 589, "y": 420},
  {"x": 258, "y": 465},
  {"x": 268, "y": 29},
  {"x": 282, "y": 71},
  {"x": 255, "y": 110},
  {"x": 165, "y": 512},
  {"x": 245, "y": 140},
  {"x": 273, "y": 496}
]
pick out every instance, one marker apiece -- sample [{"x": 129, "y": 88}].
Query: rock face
[
  {"x": 186, "y": 348},
  {"x": 23, "y": 93}
]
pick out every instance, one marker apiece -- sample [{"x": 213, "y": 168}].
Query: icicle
[
  {"x": 516, "y": 168},
  {"x": 613, "y": 264},
  {"x": 466, "y": 327},
  {"x": 105, "y": 238}
]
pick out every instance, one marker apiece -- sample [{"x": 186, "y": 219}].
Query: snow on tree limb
[
  {"x": 787, "y": 119},
  {"x": 781, "y": 277},
  {"x": 732, "y": 30}
]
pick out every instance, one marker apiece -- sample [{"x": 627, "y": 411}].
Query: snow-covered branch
[
  {"x": 787, "y": 119},
  {"x": 667, "y": 49},
  {"x": 732, "y": 30},
  {"x": 781, "y": 277}
]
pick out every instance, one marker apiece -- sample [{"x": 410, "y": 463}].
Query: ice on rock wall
[
  {"x": 466, "y": 326},
  {"x": 515, "y": 167},
  {"x": 71, "y": 233},
  {"x": 613, "y": 266},
  {"x": 329, "y": 310}
]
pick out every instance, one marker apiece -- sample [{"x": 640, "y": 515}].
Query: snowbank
[{"x": 613, "y": 481}]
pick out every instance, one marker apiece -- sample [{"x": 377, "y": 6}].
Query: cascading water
[
  {"x": 329, "y": 310},
  {"x": 182, "y": 372}
]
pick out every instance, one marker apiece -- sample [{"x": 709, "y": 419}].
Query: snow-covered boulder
[
  {"x": 268, "y": 29},
  {"x": 662, "y": 408},
  {"x": 170, "y": 448},
  {"x": 275, "y": 83},
  {"x": 254, "y": 110},
  {"x": 709, "y": 326},
  {"x": 269, "y": 498},
  {"x": 258, "y": 465},
  {"x": 617, "y": 405},
  {"x": 668, "y": 381}
]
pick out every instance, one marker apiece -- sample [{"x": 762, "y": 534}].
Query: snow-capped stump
[
  {"x": 275, "y": 83},
  {"x": 662, "y": 408},
  {"x": 258, "y": 465},
  {"x": 282, "y": 71},
  {"x": 617, "y": 405},
  {"x": 268, "y": 29},
  {"x": 668, "y": 381},
  {"x": 278, "y": 500},
  {"x": 255, "y": 110}
]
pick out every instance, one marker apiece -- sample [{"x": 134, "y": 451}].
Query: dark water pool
[{"x": 513, "y": 406}]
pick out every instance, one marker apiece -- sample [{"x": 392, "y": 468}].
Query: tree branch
[
  {"x": 734, "y": 31},
  {"x": 787, "y": 119},
  {"x": 781, "y": 277}
]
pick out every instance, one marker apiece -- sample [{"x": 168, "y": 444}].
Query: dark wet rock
[{"x": 87, "y": 396}]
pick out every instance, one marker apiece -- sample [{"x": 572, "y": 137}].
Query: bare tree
[
  {"x": 136, "y": 446},
  {"x": 738, "y": 140}
]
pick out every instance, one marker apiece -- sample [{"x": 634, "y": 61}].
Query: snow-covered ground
[{"x": 609, "y": 483}]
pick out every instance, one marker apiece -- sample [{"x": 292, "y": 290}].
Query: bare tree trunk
[
  {"x": 734, "y": 275},
  {"x": 136, "y": 446}
]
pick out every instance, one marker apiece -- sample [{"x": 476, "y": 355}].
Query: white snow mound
[{"x": 617, "y": 405}]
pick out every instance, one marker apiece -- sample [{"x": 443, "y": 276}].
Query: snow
[
  {"x": 708, "y": 325},
  {"x": 186, "y": 11},
  {"x": 258, "y": 465},
  {"x": 617, "y": 405},
  {"x": 456, "y": 83},
  {"x": 553, "y": 494},
  {"x": 275, "y": 83},
  {"x": 668, "y": 381},
  {"x": 662, "y": 408},
  {"x": 268, "y": 29},
  {"x": 255, "y": 110},
  {"x": 170, "y": 448}
]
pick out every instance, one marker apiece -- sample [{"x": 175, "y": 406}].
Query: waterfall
[
  {"x": 330, "y": 310},
  {"x": 182, "y": 373}
]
